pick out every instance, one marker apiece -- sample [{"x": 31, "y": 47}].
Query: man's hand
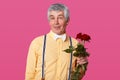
[{"x": 82, "y": 60}]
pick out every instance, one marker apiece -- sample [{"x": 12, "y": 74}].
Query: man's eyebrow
[
  {"x": 51, "y": 16},
  {"x": 60, "y": 15}
]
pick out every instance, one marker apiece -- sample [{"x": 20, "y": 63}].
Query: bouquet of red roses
[{"x": 79, "y": 51}]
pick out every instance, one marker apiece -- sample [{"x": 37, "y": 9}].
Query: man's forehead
[{"x": 60, "y": 13}]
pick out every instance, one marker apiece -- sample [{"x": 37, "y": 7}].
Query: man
[{"x": 46, "y": 57}]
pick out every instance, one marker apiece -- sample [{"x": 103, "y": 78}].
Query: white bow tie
[{"x": 63, "y": 37}]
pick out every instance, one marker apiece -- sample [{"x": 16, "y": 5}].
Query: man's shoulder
[
  {"x": 37, "y": 39},
  {"x": 74, "y": 41}
]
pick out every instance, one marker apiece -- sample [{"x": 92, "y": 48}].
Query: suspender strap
[
  {"x": 43, "y": 56},
  {"x": 70, "y": 67}
]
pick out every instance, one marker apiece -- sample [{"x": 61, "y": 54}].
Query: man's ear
[{"x": 68, "y": 21}]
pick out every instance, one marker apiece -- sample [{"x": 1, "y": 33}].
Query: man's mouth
[{"x": 57, "y": 27}]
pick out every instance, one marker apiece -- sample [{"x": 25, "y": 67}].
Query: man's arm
[{"x": 31, "y": 62}]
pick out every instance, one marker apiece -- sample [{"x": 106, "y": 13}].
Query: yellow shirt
[{"x": 56, "y": 60}]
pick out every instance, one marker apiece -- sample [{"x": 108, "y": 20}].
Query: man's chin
[{"x": 58, "y": 32}]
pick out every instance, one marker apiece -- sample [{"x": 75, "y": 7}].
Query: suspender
[
  {"x": 70, "y": 67},
  {"x": 43, "y": 58}
]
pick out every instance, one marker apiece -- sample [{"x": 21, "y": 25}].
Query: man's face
[{"x": 57, "y": 22}]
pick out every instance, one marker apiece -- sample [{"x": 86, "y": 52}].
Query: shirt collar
[{"x": 56, "y": 36}]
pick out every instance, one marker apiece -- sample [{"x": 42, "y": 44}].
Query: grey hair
[{"x": 59, "y": 7}]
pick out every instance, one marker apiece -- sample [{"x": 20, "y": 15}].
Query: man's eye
[
  {"x": 60, "y": 17},
  {"x": 52, "y": 18}
]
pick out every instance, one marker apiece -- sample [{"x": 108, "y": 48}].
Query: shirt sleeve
[{"x": 31, "y": 62}]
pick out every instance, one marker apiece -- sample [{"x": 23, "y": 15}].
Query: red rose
[
  {"x": 83, "y": 37},
  {"x": 79, "y": 35}
]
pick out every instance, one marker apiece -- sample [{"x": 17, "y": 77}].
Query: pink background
[{"x": 23, "y": 20}]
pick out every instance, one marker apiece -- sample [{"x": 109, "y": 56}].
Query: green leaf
[
  {"x": 70, "y": 50},
  {"x": 76, "y": 54},
  {"x": 67, "y": 51}
]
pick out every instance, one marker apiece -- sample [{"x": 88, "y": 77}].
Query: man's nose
[{"x": 56, "y": 21}]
